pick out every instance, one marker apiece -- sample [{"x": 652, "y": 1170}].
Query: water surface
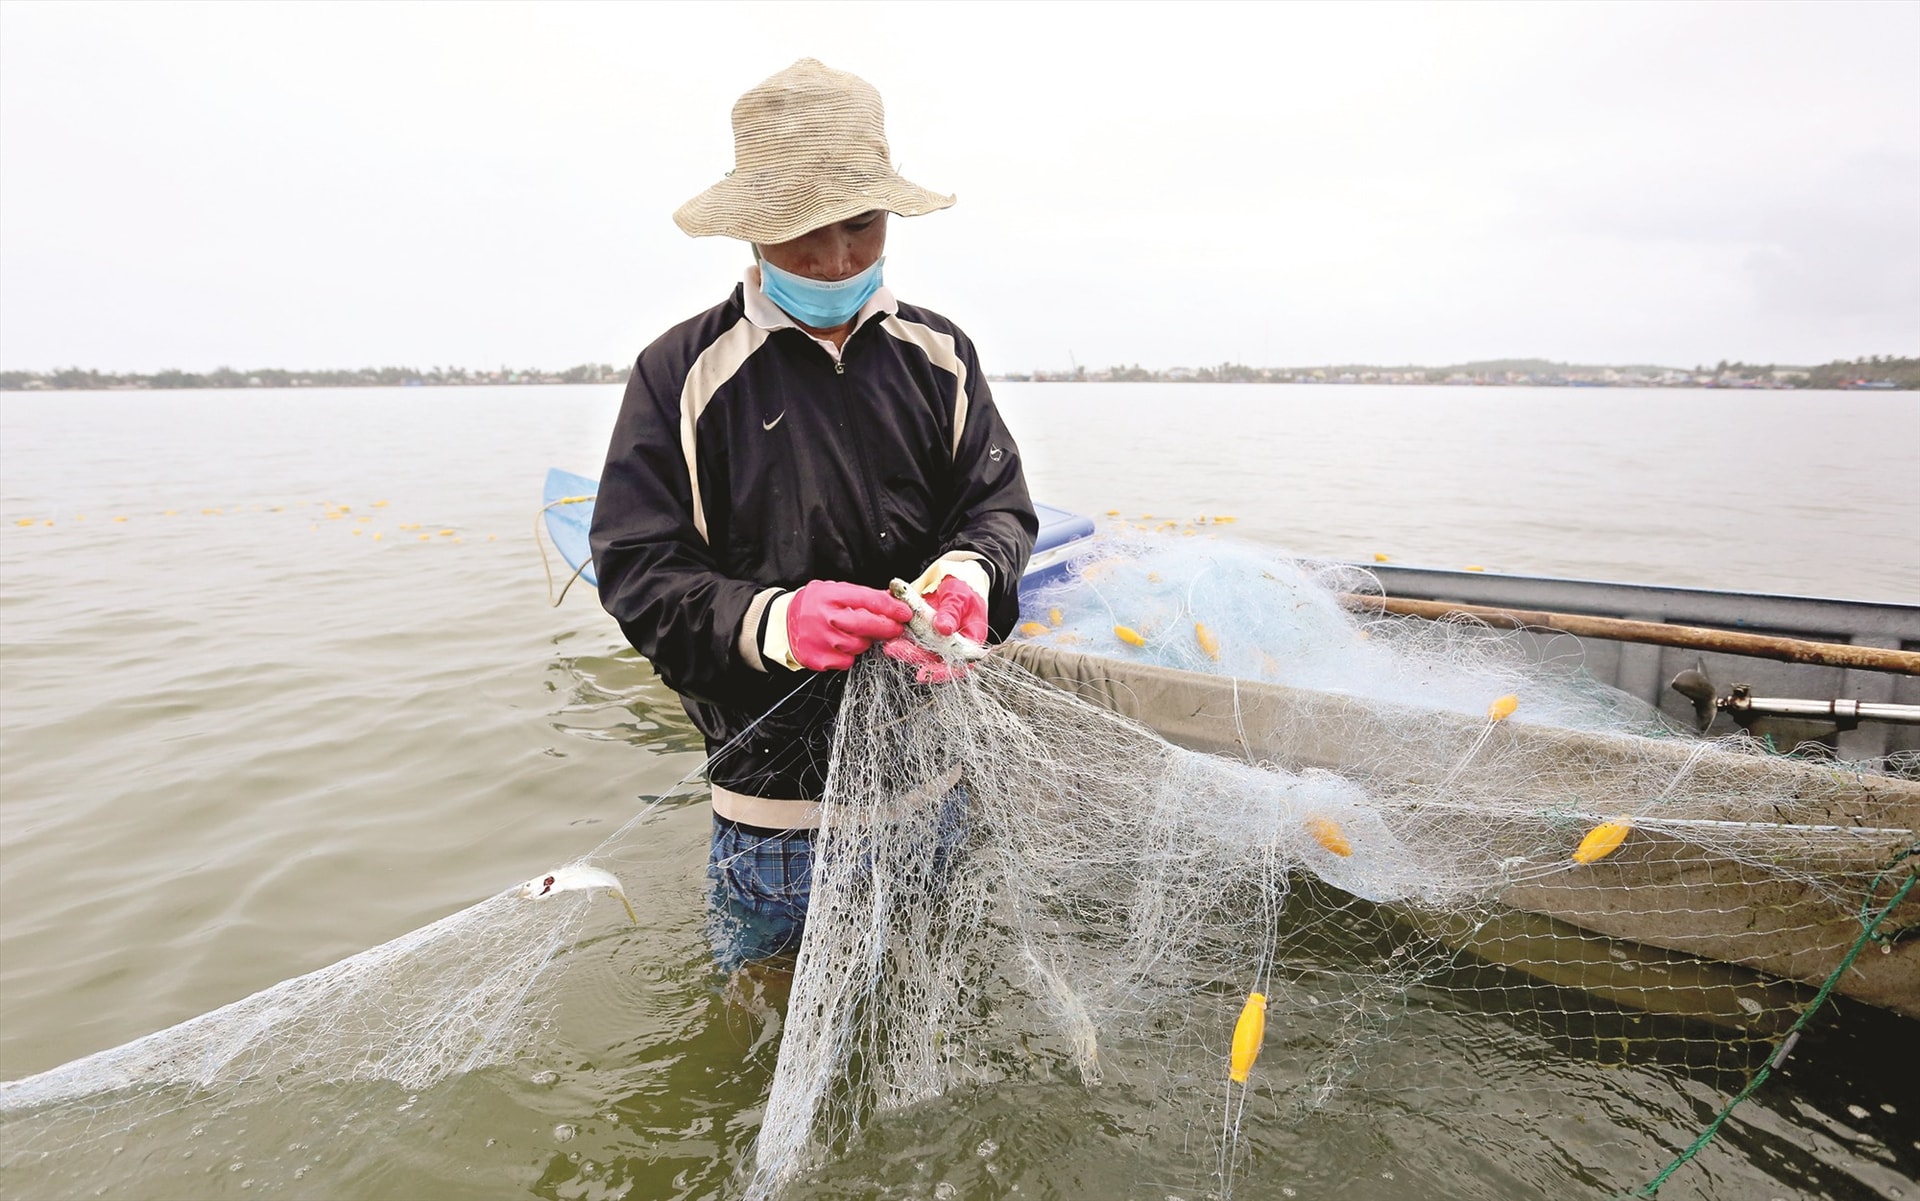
[{"x": 244, "y": 737}]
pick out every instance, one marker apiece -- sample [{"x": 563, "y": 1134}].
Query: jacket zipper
[{"x": 860, "y": 448}]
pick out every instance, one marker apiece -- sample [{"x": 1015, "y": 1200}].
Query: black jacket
[{"x": 746, "y": 460}]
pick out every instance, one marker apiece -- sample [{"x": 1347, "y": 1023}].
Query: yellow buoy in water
[
  {"x": 1247, "y": 1033},
  {"x": 1381, "y": 558},
  {"x": 1503, "y": 708},
  {"x": 1601, "y": 841},
  {"x": 1328, "y": 834},
  {"x": 24, "y": 521},
  {"x": 1207, "y": 641},
  {"x": 1126, "y": 634},
  {"x": 1474, "y": 567},
  {"x": 119, "y": 519},
  {"x": 446, "y": 533}
]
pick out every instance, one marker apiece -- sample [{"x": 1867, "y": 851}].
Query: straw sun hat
[{"x": 809, "y": 149}]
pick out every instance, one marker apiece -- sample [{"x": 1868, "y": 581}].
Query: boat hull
[{"x": 1720, "y": 910}]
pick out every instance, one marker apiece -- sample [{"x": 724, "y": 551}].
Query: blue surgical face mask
[{"x": 818, "y": 303}]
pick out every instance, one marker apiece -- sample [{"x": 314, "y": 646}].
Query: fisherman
[{"x": 782, "y": 456}]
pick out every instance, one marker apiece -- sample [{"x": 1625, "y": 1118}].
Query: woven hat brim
[{"x": 770, "y": 210}]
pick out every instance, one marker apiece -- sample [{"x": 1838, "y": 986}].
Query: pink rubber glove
[
  {"x": 829, "y": 623},
  {"x": 956, "y": 608}
]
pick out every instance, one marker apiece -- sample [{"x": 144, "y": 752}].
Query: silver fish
[
  {"x": 951, "y": 647},
  {"x": 577, "y": 877}
]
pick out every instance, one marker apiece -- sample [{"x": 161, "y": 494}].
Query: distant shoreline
[{"x": 1879, "y": 373}]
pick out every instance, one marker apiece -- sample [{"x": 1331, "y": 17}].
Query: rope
[
  {"x": 1869, "y": 932},
  {"x": 552, "y": 600}
]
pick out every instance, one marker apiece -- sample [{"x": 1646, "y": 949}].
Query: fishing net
[
  {"x": 450, "y": 997},
  {"x": 1354, "y": 862}
]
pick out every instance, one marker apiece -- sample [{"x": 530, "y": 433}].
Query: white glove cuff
[{"x": 969, "y": 567}]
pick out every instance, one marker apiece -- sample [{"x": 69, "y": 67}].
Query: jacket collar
[{"x": 770, "y": 316}]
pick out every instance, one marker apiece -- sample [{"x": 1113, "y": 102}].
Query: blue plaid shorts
[{"x": 759, "y": 883}]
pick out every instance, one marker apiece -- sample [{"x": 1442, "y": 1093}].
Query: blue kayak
[{"x": 567, "y": 504}]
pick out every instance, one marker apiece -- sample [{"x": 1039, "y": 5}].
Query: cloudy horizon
[{"x": 319, "y": 187}]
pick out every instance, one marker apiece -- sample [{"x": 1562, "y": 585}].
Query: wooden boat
[{"x": 1704, "y": 911}]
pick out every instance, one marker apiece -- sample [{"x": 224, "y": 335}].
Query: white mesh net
[{"x": 1435, "y": 892}]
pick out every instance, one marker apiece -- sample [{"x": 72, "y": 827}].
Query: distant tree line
[
  {"x": 78, "y": 379},
  {"x": 1877, "y": 371}
]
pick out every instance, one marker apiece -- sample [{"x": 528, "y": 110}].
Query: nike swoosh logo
[{"x": 767, "y": 425}]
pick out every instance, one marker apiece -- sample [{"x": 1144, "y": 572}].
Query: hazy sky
[{"x": 329, "y": 185}]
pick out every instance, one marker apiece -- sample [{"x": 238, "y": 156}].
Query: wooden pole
[{"x": 1763, "y": 646}]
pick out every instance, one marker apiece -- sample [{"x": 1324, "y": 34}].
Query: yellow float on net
[
  {"x": 1601, "y": 841},
  {"x": 1327, "y": 833},
  {"x": 1053, "y": 617},
  {"x": 1247, "y": 1033},
  {"x": 1503, "y": 708},
  {"x": 1207, "y": 641},
  {"x": 1129, "y": 635},
  {"x": 1032, "y": 629}
]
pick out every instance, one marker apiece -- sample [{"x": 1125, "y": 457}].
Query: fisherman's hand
[
  {"x": 957, "y": 608},
  {"x": 829, "y": 623}
]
